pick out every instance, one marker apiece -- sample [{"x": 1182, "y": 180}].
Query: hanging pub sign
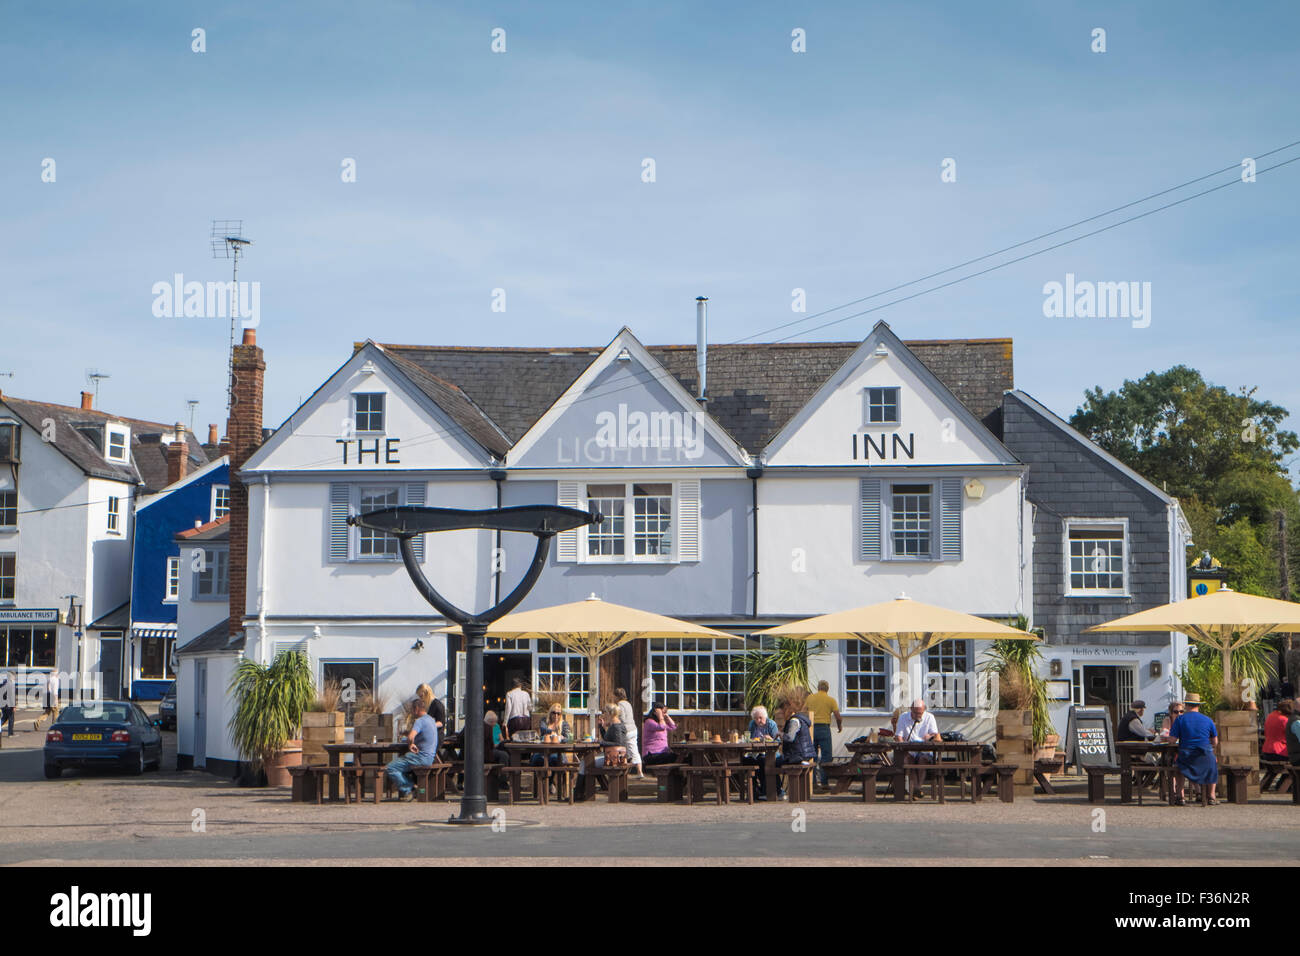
[{"x": 1090, "y": 739}]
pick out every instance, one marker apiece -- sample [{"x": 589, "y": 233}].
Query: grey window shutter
[
  {"x": 869, "y": 533},
  {"x": 415, "y": 496},
  {"x": 566, "y": 542},
  {"x": 688, "y": 519},
  {"x": 950, "y": 519},
  {"x": 340, "y": 505}
]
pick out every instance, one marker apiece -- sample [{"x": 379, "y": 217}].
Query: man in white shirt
[
  {"x": 917, "y": 726},
  {"x": 519, "y": 709}
]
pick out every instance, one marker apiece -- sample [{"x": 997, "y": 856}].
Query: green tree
[{"x": 1197, "y": 440}]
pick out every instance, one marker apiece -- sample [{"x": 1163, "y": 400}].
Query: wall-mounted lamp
[
  {"x": 418, "y": 645},
  {"x": 975, "y": 488},
  {"x": 881, "y": 351},
  {"x": 315, "y": 631},
  {"x": 625, "y": 356},
  {"x": 1155, "y": 669},
  {"x": 1055, "y": 667}
]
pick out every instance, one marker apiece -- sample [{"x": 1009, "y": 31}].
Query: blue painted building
[{"x": 196, "y": 499}]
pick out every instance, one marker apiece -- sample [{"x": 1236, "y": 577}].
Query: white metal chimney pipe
[{"x": 702, "y": 345}]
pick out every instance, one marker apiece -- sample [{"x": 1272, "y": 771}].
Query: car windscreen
[{"x": 96, "y": 714}]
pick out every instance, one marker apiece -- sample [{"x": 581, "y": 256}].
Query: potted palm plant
[
  {"x": 269, "y": 703},
  {"x": 769, "y": 672}
]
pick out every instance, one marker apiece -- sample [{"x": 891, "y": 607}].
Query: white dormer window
[
  {"x": 220, "y": 501},
  {"x": 368, "y": 412},
  {"x": 881, "y": 406},
  {"x": 117, "y": 443}
]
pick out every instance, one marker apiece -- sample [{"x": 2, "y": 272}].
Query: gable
[
  {"x": 932, "y": 428},
  {"x": 417, "y": 433},
  {"x": 626, "y": 410}
]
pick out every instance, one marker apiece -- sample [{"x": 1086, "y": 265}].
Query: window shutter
[
  {"x": 340, "y": 504},
  {"x": 688, "y": 520},
  {"x": 415, "y": 497},
  {"x": 950, "y": 519},
  {"x": 566, "y": 542},
  {"x": 869, "y": 505}
]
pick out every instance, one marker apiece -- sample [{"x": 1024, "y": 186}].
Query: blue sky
[{"x": 522, "y": 171}]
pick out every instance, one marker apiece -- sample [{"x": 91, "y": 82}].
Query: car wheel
[
  {"x": 53, "y": 771},
  {"x": 137, "y": 768}
]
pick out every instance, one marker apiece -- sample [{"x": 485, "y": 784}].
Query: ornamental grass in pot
[{"x": 269, "y": 703}]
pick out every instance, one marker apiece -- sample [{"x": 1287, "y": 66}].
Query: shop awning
[{"x": 154, "y": 630}]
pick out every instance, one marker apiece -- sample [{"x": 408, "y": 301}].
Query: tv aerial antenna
[
  {"x": 193, "y": 403},
  {"x": 93, "y": 377},
  {"x": 228, "y": 242}
]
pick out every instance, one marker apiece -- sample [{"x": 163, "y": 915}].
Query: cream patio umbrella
[
  {"x": 1224, "y": 619},
  {"x": 901, "y": 628},
  {"x": 593, "y": 628}
]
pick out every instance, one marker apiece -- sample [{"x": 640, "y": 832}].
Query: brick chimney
[
  {"x": 87, "y": 401},
  {"x": 244, "y": 435},
  {"x": 178, "y": 456}
]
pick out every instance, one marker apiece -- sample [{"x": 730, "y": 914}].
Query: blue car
[{"x": 110, "y": 733}]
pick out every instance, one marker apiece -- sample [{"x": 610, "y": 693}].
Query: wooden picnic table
[
  {"x": 338, "y": 751},
  {"x": 964, "y": 753},
  {"x": 1166, "y": 753},
  {"x": 708, "y": 753},
  {"x": 519, "y": 749}
]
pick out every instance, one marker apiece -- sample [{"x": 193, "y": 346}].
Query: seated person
[
  {"x": 1293, "y": 738},
  {"x": 553, "y": 723},
  {"x": 1196, "y": 736},
  {"x": 1130, "y": 727},
  {"x": 916, "y": 726},
  {"x": 613, "y": 735},
  {"x": 796, "y": 737},
  {"x": 1275, "y": 731},
  {"x": 654, "y": 736},
  {"x": 423, "y": 747},
  {"x": 760, "y": 725}
]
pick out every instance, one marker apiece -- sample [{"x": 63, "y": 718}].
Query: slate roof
[
  {"x": 754, "y": 389},
  {"x": 215, "y": 638},
  {"x": 118, "y": 619},
  {"x": 73, "y": 431},
  {"x": 458, "y": 406}
]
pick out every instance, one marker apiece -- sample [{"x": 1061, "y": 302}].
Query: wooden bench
[
  {"x": 1237, "y": 775},
  {"x": 564, "y": 775},
  {"x": 615, "y": 779},
  {"x": 1291, "y": 775},
  {"x": 670, "y": 781},
  {"x": 997, "y": 775},
  {"x": 1042, "y": 768},
  {"x": 797, "y": 779},
  {"x": 723, "y": 774},
  {"x": 1275, "y": 770},
  {"x": 431, "y": 781}
]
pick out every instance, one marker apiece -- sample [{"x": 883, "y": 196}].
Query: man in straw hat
[{"x": 1197, "y": 737}]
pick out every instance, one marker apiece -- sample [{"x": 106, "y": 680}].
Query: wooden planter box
[
  {"x": 1015, "y": 746},
  {"x": 320, "y": 728}
]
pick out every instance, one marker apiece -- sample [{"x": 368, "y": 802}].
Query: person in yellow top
[{"x": 822, "y": 707}]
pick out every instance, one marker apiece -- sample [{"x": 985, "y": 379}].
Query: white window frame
[
  {"x": 209, "y": 560},
  {"x": 125, "y": 433},
  {"x": 891, "y": 667},
  {"x": 11, "y": 600},
  {"x": 172, "y": 585},
  {"x": 629, "y": 555},
  {"x": 948, "y": 650},
  {"x": 897, "y": 403},
  {"x": 383, "y": 415},
  {"x": 1066, "y": 525},
  {"x": 354, "y": 537},
  {"x": 12, "y": 526},
  {"x": 114, "y": 520},
  {"x": 212, "y": 510},
  {"x": 738, "y": 648},
  {"x": 576, "y": 669},
  {"x": 887, "y": 506},
  {"x": 15, "y": 456}
]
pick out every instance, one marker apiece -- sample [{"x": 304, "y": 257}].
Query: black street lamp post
[{"x": 544, "y": 521}]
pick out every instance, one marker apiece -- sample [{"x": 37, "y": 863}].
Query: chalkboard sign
[{"x": 1090, "y": 740}]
